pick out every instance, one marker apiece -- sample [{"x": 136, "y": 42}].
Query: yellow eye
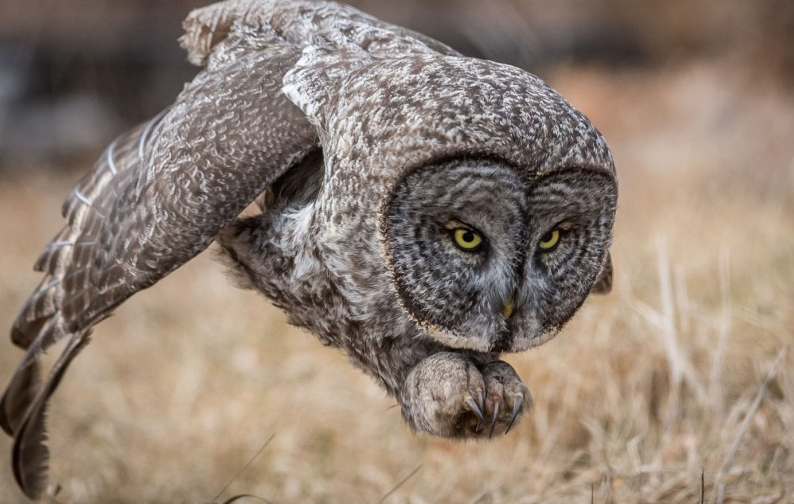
[
  {"x": 467, "y": 239},
  {"x": 549, "y": 240}
]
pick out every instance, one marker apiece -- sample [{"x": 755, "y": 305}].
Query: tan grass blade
[{"x": 720, "y": 495}]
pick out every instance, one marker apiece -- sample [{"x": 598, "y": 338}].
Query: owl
[{"x": 420, "y": 210}]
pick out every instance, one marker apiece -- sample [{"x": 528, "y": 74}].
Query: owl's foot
[{"x": 450, "y": 395}]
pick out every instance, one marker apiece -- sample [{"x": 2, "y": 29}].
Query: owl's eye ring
[
  {"x": 467, "y": 239},
  {"x": 549, "y": 240}
]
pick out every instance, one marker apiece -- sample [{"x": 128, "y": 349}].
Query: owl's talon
[
  {"x": 519, "y": 400},
  {"x": 470, "y": 404},
  {"x": 495, "y": 417},
  {"x": 449, "y": 395}
]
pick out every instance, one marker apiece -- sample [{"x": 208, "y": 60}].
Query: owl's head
[
  {"x": 495, "y": 198},
  {"x": 484, "y": 258}
]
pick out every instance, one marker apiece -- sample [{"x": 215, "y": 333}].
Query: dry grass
[{"x": 646, "y": 390}]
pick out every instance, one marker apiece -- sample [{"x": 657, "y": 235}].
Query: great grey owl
[{"x": 420, "y": 210}]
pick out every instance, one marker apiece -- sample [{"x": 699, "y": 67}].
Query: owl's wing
[
  {"x": 161, "y": 193},
  {"x": 157, "y": 197},
  {"x": 301, "y": 23}
]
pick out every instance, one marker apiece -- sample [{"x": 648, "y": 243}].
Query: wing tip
[
  {"x": 20, "y": 394},
  {"x": 29, "y": 327},
  {"x": 19, "y": 337},
  {"x": 22, "y": 416},
  {"x": 5, "y": 423},
  {"x": 31, "y": 457}
]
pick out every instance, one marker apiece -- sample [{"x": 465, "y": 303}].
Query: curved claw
[
  {"x": 471, "y": 405},
  {"x": 516, "y": 410},
  {"x": 496, "y": 403}
]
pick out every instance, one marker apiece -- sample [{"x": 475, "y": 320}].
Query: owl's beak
[{"x": 509, "y": 307}]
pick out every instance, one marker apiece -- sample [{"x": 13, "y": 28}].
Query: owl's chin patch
[
  {"x": 504, "y": 340},
  {"x": 452, "y": 340},
  {"x": 522, "y": 342}
]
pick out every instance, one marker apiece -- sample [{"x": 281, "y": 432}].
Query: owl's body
[{"x": 422, "y": 211}]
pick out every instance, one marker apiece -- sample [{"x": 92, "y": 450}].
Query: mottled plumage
[{"x": 376, "y": 151}]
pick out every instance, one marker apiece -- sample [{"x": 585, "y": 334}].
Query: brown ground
[{"x": 647, "y": 389}]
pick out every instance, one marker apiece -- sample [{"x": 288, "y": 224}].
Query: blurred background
[
  {"x": 74, "y": 74},
  {"x": 670, "y": 377}
]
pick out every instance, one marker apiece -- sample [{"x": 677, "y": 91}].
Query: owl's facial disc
[{"x": 477, "y": 266}]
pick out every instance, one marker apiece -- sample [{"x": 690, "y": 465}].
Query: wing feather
[
  {"x": 330, "y": 25},
  {"x": 30, "y": 457}
]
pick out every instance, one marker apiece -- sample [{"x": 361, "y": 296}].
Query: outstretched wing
[
  {"x": 162, "y": 192},
  {"x": 157, "y": 197}
]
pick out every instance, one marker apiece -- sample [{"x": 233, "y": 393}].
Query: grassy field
[{"x": 669, "y": 379}]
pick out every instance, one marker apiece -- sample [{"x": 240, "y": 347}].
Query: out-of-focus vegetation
[{"x": 662, "y": 381}]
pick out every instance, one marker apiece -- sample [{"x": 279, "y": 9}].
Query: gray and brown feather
[{"x": 423, "y": 211}]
